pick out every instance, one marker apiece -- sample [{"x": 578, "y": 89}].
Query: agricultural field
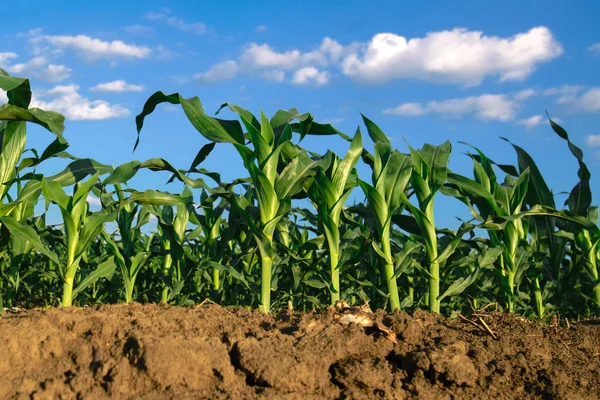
[{"x": 278, "y": 267}]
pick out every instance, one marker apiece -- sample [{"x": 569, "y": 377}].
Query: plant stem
[
  {"x": 166, "y": 271},
  {"x": 335, "y": 272},
  {"x": 388, "y": 270},
  {"x": 432, "y": 255},
  {"x": 539, "y": 301},
  {"x": 215, "y": 279},
  {"x": 511, "y": 291},
  {"x": 72, "y": 266},
  {"x": 265, "y": 283}
]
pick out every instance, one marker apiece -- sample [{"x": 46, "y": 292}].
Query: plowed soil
[{"x": 160, "y": 352}]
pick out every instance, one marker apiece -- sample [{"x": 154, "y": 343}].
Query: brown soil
[{"x": 159, "y": 352}]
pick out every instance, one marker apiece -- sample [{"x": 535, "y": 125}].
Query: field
[
  {"x": 158, "y": 352},
  {"x": 285, "y": 240}
]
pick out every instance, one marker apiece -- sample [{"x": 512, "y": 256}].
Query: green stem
[
  {"x": 539, "y": 302},
  {"x": 597, "y": 295},
  {"x": 411, "y": 287},
  {"x": 335, "y": 272},
  {"x": 432, "y": 255},
  {"x": 265, "y": 284},
  {"x": 388, "y": 270},
  {"x": 215, "y": 278},
  {"x": 166, "y": 271},
  {"x": 67, "y": 294},
  {"x": 72, "y": 266},
  {"x": 511, "y": 292},
  {"x": 129, "y": 291}
]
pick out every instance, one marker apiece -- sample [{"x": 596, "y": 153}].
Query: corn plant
[
  {"x": 391, "y": 173},
  {"x": 269, "y": 153},
  {"x": 330, "y": 192},
  {"x": 430, "y": 169}
]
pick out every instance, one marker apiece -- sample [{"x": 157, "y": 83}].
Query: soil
[{"x": 160, "y": 352}]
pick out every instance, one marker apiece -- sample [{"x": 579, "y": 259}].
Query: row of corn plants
[{"x": 299, "y": 229}]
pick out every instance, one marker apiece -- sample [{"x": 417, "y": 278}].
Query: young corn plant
[
  {"x": 81, "y": 227},
  {"x": 277, "y": 167},
  {"x": 329, "y": 192},
  {"x": 130, "y": 258},
  {"x": 386, "y": 197},
  {"x": 429, "y": 173}
]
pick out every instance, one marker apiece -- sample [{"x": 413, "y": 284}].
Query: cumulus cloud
[
  {"x": 576, "y": 98},
  {"x": 6, "y": 57},
  {"x": 273, "y": 75},
  {"x": 219, "y": 72},
  {"x": 310, "y": 75},
  {"x": 457, "y": 56},
  {"x": 407, "y": 110},
  {"x": 532, "y": 121},
  {"x": 93, "y": 49},
  {"x": 264, "y": 56},
  {"x": 525, "y": 94},
  {"x": 592, "y": 140},
  {"x": 493, "y": 107},
  {"x": 67, "y": 100},
  {"x": 117, "y": 86},
  {"x": 261, "y": 28},
  {"x": 93, "y": 201},
  {"x": 40, "y": 68},
  {"x": 164, "y": 16},
  {"x": 595, "y": 48},
  {"x": 3, "y": 98}
]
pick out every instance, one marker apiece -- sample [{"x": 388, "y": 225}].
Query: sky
[{"x": 464, "y": 71}]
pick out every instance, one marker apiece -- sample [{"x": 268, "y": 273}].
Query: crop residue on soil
[{"x": 154, "y": 351}]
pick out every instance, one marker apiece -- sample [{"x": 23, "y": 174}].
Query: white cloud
[
  {"x": 3, "y": 98},
  {"x": 117, "y": 86},
  {"x": 589, "y": 101},
  {"x": 311, "y": 76},
  {"x": 273, "y": 75},
  {"x": 196, "y": 28},
  {"x": 525, "y": 94},
  {"x": 93, "y": 49},
  {"x": 592, "y": 140},
  {"x": 6, "y": 57},
  {"x": 566, "y": 93},
  {"x": 264, "y": 56},
  {"x": 407, "y": 110},
  {"x": 578, "y": 100},
  {"x": 497, "y": 107},
  {"x": 38, "y": 67},
  {"x": 93, "y": 200},
  {"x": 595, "y": 48},
  {"x": 139, "y": 29},
  {"x": 67, "y": 100},
  {"x": 261, "y": 28},
  {"x": 532, "y": 121},
  {"x": 456, "y": 56},
  {"x": 493, "y": 107},
  {"x": 219, "y": 72}
]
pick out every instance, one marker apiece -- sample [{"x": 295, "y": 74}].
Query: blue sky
[{"x": 463, "y": 71}]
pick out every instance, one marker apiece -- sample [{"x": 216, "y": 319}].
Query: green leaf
[
  {"x": 27, "y": 233},
  {"x": 461, "y": 284},
  {"x": 52, "y": 121},
  {"x": 104, "y": 270}
]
